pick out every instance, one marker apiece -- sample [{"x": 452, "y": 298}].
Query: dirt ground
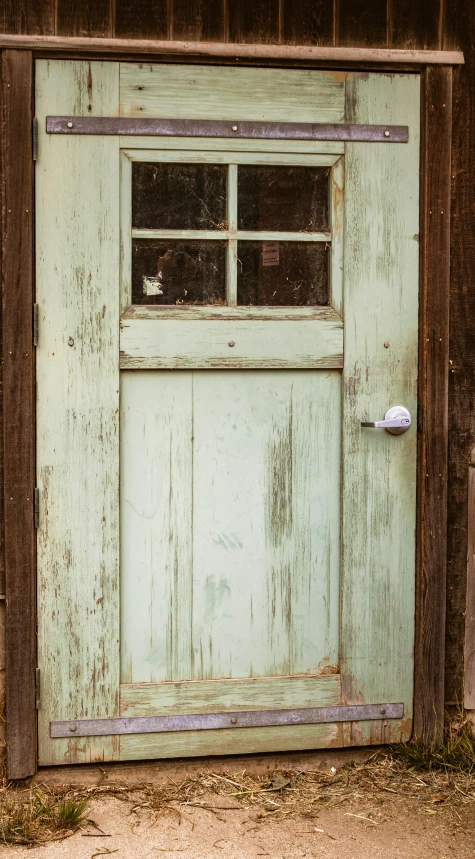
[{"x": 388, "y": 822}]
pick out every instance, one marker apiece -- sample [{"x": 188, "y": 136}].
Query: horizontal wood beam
[
  {"x": 304, "y": 53},
  {"x": 152, "y": 344}
]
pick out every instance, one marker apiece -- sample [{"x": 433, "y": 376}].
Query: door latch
[{"x": 396, "y": 421}]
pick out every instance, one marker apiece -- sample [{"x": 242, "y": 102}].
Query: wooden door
[{"x": 220, "y": 541}]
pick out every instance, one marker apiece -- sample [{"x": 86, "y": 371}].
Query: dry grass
[
  {"x": 38, "y": 817},
  {"x": 435, "y": 780}
]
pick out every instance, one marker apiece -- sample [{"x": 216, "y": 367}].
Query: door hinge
[
  {"x": 34, "y": 138},
  {"x": 37, "y": 508},
  {"x": 35, "y": 325},
  {"x": 37, "y": 688}
]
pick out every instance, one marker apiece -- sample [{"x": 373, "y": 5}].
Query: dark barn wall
[{"x": 438, "y": 24}]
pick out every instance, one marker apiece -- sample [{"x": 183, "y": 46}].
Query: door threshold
[{"x": 159, "y": 772}]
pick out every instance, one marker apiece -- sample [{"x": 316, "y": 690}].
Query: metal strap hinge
[
  {"x": 35, "y": 138},
  {"x": 37, "y": 508},
  {"x": 35, "y": 324},
  {"x": 228, "y": 720},
  {"x": 37, "y": 688},
  {"x": 160, "y": 127}
]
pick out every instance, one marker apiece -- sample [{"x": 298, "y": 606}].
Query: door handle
[{"x": 396, "y": 421}]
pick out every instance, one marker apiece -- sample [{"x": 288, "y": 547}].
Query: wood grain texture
[
  {"x": 84, "y": 18},
  {"x": 25, "y": 16},
  {"x": 256, "y": 740},
  {"x": 227, "y": 530},
  {"x": 217, "y": 696},
  {"x": 216, "y": 151},
  {"x": 469, "y": 645},
  {"x": 240, "y": 740},
  {"x": 460, "y": 31},
  {"x": 433, "y": 398},
  {"x": 194, "y": 92},
  {"x": 19, "y": 405},
  {"x": 379, "y": 470},
  {"x": 313, "y": 56},
  {"x": 222, "y": 311},
  {"x": 146, "y": 19},
  {"x": 362, "y": 22},
  {"x": 266, "y": 522},
  {"x": 156, "y": 515},
  {"x": 253, "y": 22},
  {"x": 307, "y": 22},
  {"x": 156, "y": 343},
  {"x": 77, "y": 253},
  {"x": 414, "y": 24},
  {"x": 198, "y": 19}
]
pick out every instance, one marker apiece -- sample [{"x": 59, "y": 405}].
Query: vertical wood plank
[
  {"x": 156, "y": 525},
  {"x": 379, "y": 470},
  {"x": 256, "y": 22},
  {"x": 460, "y": 32},
  {"x": 265, "y": 522},
  {"x": 19, "y": 402},
  {"x": 414, "y": 24},
  {"x": 362, "y": 23},
  {"x": 469, "y": 648},
  {"x": 24, "y": 16},
  {"x": 146, "y": 19},
  {"x": 201, "y": 20},
  {"x": 433, "y": 396},
  {"x": 84, "y": 18},
  {"x": 77, "y": 254},
  {"x": 307, "y": 22}
]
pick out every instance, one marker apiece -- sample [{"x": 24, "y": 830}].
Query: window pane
[
  {"x": 178, "y": 196},
  {"x": 178, "y": 272},
  {"x": 291, "y": 199},
  {"x": 292, "y": 274}
]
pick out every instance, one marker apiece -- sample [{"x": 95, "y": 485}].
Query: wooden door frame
[{"x": 18, "y": 290}]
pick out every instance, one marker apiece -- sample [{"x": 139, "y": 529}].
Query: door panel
[
  {"x": 245, "y": 469},
  {"x": 220, "y": 581}
]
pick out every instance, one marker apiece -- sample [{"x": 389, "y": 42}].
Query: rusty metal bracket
[
  {"x": 214, "y": 721},
  {"x": 126, "y": 127}
]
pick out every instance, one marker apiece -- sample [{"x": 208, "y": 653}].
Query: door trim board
[
  {"x": 232, "y": 51},
  {"x": 19, "y": 409},
  {"x": 432, "y": 454}
]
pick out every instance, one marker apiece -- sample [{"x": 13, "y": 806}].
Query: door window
[{"x": 229, "y": 234}]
